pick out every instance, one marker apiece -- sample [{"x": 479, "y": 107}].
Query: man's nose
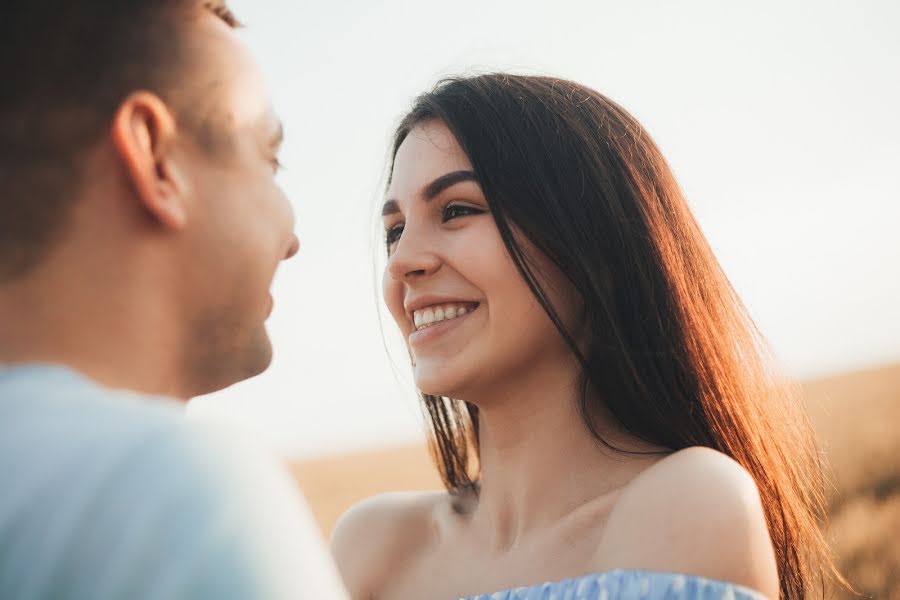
[{"x": 293, "y": 248}]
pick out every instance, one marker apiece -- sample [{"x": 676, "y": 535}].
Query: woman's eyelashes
[
  {"x": 392, "y": 235},
  {"x": 449, "y": 213},
  {"x": 453, "y": 211}
]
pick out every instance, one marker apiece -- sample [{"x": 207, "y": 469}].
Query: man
[{"x": 140, "y": 228}]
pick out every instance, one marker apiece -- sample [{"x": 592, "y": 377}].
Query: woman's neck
[{"x": 539, "y": 462}]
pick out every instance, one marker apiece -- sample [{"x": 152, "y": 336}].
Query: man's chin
[
  {"x": 235, "y": 366},
  {"x": 259, "y": 356}
]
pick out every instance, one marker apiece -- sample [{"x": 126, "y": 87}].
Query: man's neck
[{"x": 72, "y": 316}]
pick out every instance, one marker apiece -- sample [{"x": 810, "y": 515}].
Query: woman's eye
[
  {"x": 392, "y": 235},
  {"x": 277, "y": 165},
  {"x": 452, "y": 211}
]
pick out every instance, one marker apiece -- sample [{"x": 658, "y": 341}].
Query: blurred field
[
  {"x": 858, "y": 419},
  {"x": 857, "y": 416}
]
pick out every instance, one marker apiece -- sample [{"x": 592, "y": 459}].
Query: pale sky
[{"x": 780, "y": 119}]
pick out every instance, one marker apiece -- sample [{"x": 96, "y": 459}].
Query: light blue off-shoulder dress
[{"x": 628, "y": 585}]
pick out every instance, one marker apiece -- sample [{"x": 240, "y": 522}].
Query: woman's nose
[{"x": 412, "y": 256}]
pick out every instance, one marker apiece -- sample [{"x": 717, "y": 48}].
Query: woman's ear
[{"x": 143, "y": 132}]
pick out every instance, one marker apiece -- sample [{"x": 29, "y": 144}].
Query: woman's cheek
[{"x": 392, "y": 291}]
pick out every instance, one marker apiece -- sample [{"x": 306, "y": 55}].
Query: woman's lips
[{"x": 421, "y": 336}]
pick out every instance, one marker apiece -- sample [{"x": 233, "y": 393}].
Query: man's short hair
[{"x": 65, "y": 67}]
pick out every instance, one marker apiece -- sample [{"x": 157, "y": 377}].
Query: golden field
[{"x": 857, "y": 416}]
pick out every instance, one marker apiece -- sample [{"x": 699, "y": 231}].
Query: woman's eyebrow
[
  {"x": 445, "y": 181},
  {"x": 434, "y": 188},
  {"x": 390, "y": 208}
]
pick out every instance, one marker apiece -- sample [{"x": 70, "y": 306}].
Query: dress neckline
[{"x": 640, "y": 578}]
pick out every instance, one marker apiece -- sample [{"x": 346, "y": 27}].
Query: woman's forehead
[{"x": 429, "y": 151}]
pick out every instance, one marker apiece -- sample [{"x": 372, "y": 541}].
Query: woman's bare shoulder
[
  {"x": 696, "y": 512},
  {"x": 377, "y": 534}
]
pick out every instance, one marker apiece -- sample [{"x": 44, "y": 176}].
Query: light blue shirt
[{"x": 107, "y": 495}]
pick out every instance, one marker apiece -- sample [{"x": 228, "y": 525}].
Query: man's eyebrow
[{"x": 430, "y": 191}]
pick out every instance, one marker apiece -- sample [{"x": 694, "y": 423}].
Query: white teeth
[{"x": 435, "y": 314}]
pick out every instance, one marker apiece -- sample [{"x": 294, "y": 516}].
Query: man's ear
[{"x": 143, "y": 133}]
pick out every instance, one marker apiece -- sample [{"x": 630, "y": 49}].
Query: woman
[{"x": 600, "y": 405}]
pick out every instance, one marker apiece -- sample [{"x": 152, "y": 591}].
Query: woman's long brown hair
[{"x": 671, "y": 349}]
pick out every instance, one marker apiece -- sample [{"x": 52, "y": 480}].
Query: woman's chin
[
  {"x": 430, "y": 389},
  {"x": 435, "y": 384},
  {"x": 455, "y": 377}
]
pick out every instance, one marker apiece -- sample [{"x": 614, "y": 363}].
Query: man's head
[{"x": 137, "y": 143}]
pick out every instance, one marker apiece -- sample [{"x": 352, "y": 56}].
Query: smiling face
[
  {"x": 239, "y": 224},
  {"x": 469, "y": 318}
]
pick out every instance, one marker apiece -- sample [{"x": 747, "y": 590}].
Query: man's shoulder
[
  {"x": 131, "y": 481},
  {"x": 65, "y": 437},
  {"x": 56, "y": 401}
]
